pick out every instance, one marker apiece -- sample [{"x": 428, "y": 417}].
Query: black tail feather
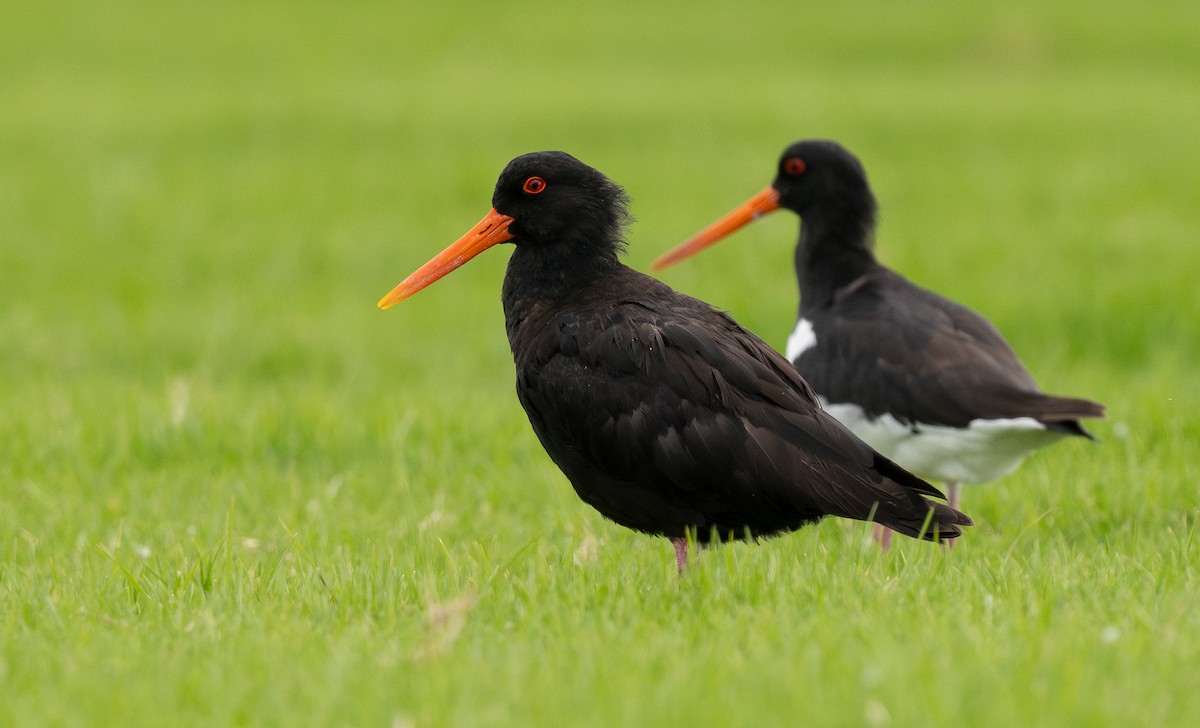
[{"x": 938, "y": 523}]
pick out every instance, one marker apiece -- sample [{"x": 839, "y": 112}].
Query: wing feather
[{"x": 893, "y": 347}]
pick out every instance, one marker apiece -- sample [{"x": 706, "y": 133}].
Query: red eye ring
[
  {"x": 534, "y": 185},
  {"x": 794, "y": 166}
]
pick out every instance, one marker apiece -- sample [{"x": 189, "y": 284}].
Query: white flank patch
[
  {"x": 980, "y": 452},
  {"x": 802, "y": 339}
]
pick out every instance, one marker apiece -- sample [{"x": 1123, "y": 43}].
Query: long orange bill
[
  {"x": 491, "y": 230},
  {"x": 760, "y": 204}
]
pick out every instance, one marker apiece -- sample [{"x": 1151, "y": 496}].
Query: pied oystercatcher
[{"x": 926, "y": 381}]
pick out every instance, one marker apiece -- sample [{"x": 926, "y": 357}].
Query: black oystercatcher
[
  {"x": 665, "y": 415},
  {"x": 929, "y": 383}
]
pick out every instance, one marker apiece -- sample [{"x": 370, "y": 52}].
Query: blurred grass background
[{"x": 234, "y": 492}]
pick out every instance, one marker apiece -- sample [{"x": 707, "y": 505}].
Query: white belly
[{"x": 981, "y": 452}]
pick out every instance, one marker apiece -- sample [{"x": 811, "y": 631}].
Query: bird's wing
[
  {"x": 707, "y": 409},
  {"x": 921, "y": 358}
]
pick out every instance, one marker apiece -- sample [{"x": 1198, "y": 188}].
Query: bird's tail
[
  {"x": 938, "y": 522},
  {"x": 907, "y": 511},
  {"x": 1064, "y": 413}
]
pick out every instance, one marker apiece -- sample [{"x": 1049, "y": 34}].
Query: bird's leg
[
  {"x": 952, "y": 490},
  {"x": 681, "y": 552},
  {"x": 882, "y": 535}
]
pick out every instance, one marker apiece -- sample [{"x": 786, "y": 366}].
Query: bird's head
[
  {"x": 814, "y": 177},
  {"x": 541, "y": 199}
]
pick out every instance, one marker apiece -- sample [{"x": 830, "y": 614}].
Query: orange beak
[
  {"x": 762, "y": 203},
  {"x": 491, "y": 230}
]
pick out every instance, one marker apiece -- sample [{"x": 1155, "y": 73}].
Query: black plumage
[{"x": 666, "y": 415}]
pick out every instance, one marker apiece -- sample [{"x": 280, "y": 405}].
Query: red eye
[
  {"x": 794, "y": 166},
  {"x": 534, "y": 185}
]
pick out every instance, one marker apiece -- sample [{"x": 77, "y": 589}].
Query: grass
[{"x": 234, "y": 493}]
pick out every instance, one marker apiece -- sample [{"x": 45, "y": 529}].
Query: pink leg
[
  {"x": 681, "y": 552},
  {"x": 952, "y": 490},
  {"x": 883, "y": 536}
]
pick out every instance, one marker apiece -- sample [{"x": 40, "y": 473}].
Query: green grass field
[{"x": 233, "y": 492}]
